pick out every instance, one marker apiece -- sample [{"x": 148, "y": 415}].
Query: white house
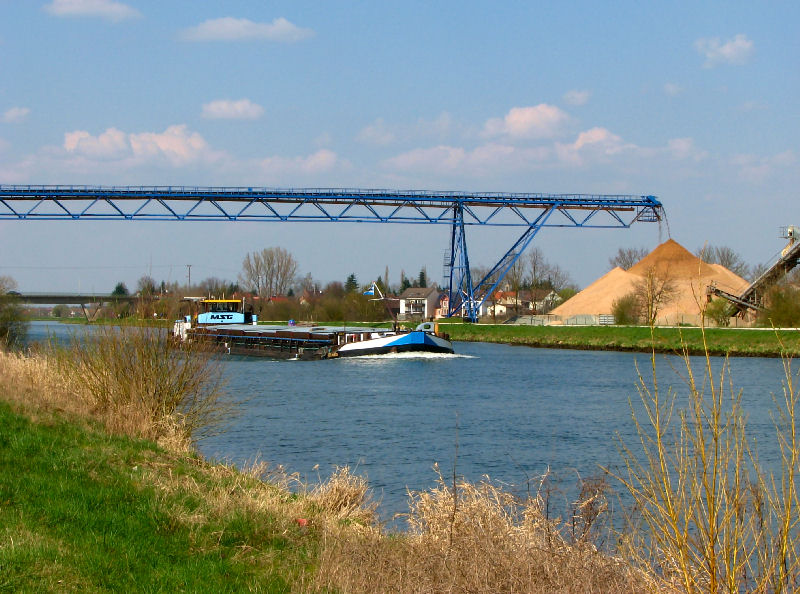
[{"x": 418, "y": 302}]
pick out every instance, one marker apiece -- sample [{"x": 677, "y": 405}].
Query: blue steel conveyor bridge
[{"x": 531, "y": 212}]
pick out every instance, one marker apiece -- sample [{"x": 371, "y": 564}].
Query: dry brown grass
[
  {"x": 479, "y": 538},
  {"x": 32, "y": 383},
  {"x": 132, "y": 380}
]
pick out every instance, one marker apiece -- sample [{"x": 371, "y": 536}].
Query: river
[{"x": 508, "y": 412}]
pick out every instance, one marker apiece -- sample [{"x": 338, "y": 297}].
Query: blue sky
[{"x": 696, "y": 103}]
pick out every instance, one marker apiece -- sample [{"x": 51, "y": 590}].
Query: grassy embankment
[
  {"x": 719, "y": 341},
  {"x": 82, "y": 510}
]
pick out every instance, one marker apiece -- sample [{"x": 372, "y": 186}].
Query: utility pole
[{"x": 189, "y": 268}]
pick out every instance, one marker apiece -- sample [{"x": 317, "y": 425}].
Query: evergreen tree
[
  {"x": 120, "y": 290},
  {"x": 422, "y": 279},
  {"x": 351, "y": 284}
]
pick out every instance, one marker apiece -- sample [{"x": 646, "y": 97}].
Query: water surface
[{"x": 512, "y": 413}]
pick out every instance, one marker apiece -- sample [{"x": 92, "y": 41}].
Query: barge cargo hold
[{"x": 316, "y": 342}]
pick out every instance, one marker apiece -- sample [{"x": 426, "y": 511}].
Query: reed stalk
[{"x": 712, "y": 518}]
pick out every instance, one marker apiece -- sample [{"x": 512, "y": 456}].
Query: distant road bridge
[
  {"x": 90, "y": 302},
  {"x": 460, "y": 210},
  {"x": 74, "y": 298}
]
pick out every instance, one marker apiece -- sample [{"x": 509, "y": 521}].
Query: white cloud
[
  {"x": 175, "y": 145},
  {"x": 437, "y": 158},
  {"x": 575, "y": 97},
  {"x": 736, "y": 51},
  {"x": 111, "y": 144},
  {"x": 381, "y": 133},
  {"x": 323, "y": 140},
  {"x": 672, "y": 89},
  {"x": 684, "y": 148},
  {"x": 170, "y": 154},
  {"x": 483, "y": 160},
  {"x": 15, "y": 115},
  {"x": 756, "y": 169},
  {"x": 233, "y": 29},
  {"x": 599, "y": 137},
  {"x": 108, "y": 9},
  {"x": 539, "y": 121},
  {"x": 377, "y": 133},
  {"x": 596, "y": 144},
  {"x": 749, "y": 106},
  {"x": 226, "y": 109},
  {"x": 322, "y": 161},
  {"x": 440, "y": 126}
]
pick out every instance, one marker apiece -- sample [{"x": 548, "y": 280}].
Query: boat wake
[{"x": 411, "y": 355}]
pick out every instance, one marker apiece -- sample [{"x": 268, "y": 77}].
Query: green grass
[
  {"x": 79, "y": 511},
  {"x": 732, "y": 341}
]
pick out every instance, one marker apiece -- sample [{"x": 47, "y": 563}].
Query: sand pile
[{"x": 688, "y": 275}]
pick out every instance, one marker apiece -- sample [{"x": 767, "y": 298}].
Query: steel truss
[{"x": 457, "y": 209}]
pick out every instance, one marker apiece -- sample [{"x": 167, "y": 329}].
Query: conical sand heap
[{"x": 688, "y": 276}]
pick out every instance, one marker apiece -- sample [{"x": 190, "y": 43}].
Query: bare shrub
[
  {"x": 711, "y": 518},
  {"x": 718, "y": 311},
  {"x": 782, "y": 309},
  {"x": 138, "y": 382},
  {"x": 13, "y": 326},
  {"x": 626, "y": 310}
]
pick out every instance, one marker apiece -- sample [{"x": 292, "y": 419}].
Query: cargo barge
[{"x": 224, "y": 325}]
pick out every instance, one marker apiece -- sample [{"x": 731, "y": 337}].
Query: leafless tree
[
  {"x": 146, "y": 285},
  {"x": 7, "y": 284},
  {"x": 479, "y": 272},
  {"x": 539, "y": 268},
  {"x": 268, "y": 272},
  {"x": 655, "y": 290},
  {"x": 724, "y": 256},
  {"x": 558, "y": 278},
  {"x": 217, "y": 287},
  {"x": 516, "y": 280},
  {"x": 627, "y": 257},
  {"x": 307, "y": 285}
]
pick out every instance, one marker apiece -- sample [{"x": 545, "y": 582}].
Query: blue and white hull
[{"x": 414, "y": 341}]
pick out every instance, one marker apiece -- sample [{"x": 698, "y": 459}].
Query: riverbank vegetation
[{"x": 100, "y": 488}]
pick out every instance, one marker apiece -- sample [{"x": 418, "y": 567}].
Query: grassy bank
[
  {"x": 82, "y": 510},
  {"x": 719, "y": 341}
]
